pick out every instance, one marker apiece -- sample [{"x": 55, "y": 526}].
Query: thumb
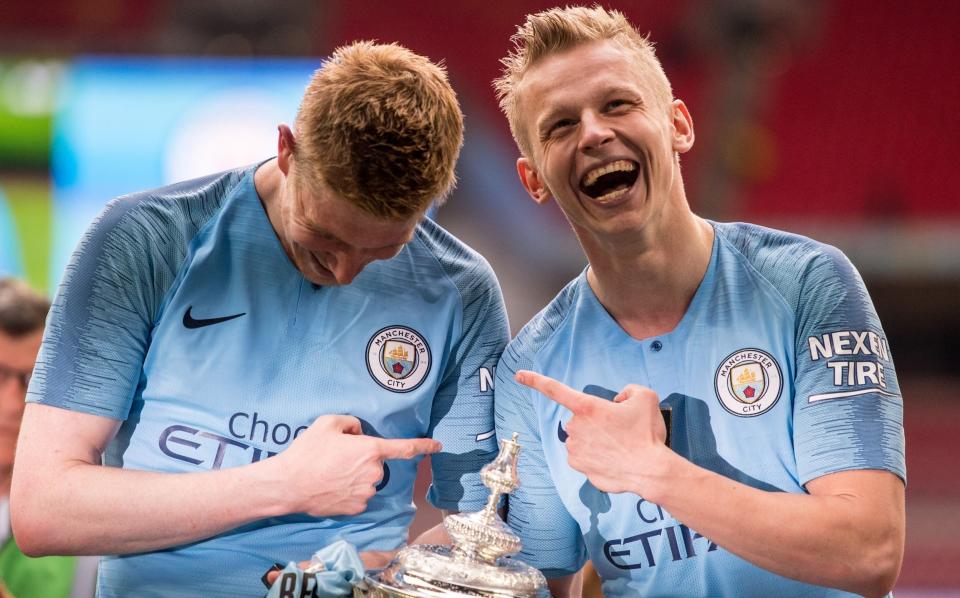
[
  {"x": 346, "y": 424},
  {"x": 634, "y": 391}
]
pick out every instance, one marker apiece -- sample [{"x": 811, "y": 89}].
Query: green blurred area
[
  {"x": 30, "y": 202},
  {"x": 28, "y": 96},
  {"x": 25, "y": 142}
]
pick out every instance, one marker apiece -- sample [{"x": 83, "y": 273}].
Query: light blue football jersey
[
  {"x": 778, "y": 373},
  {"x": 181, "y": 315}
]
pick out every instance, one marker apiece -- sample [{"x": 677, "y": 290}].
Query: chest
[
  {"x": 727, "y": 382},
  {"x": 237, "y": 367}
]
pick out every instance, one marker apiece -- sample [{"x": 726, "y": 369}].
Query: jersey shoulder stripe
[
  {"x": 469, "y": 271},
  {"x": 112, "y": 291},
  {"x": 542, "y": 328},
  {"x": 817, "y": 281},
  {"x": 786, "y": 260}
]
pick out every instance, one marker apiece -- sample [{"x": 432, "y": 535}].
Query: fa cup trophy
[{"x": 479, "y": 563}]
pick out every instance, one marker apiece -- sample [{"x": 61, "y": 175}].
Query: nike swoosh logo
[
  {"x": 561, "y": 433},
  {"x": 190, "y": 322}
]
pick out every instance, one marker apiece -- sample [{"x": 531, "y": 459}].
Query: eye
[
  {"x": 613, "y": 105},
  {"x": 559, "y": 127}
]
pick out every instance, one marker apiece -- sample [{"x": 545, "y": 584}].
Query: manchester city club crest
[
  {"x": 398, "y": 358},
  {"x": 748, "y": 382}
]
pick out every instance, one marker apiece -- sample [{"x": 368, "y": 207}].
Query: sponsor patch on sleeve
[{"x": 855, "y": 359}]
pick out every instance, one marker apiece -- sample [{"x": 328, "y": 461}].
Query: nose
[
  {"x": 594, "y": 132},
  {"x": 346, "y": 266},
  {"x": 12, "y": 394}
]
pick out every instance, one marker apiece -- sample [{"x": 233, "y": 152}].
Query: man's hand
[
  {"x": 332, "y": 468},
  {"x": 615, "y": 444}
]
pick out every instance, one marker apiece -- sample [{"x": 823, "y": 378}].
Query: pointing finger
[
  {"x": 555, "y": 390},
  {"x": 407, "y": 448}
]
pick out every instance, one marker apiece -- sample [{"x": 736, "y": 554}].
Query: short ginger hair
[
  {"x": 560, "y": 29},
  {"x": 381, "y": 127}
]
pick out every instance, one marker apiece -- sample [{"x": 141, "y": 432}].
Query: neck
[
  {"x": 647, "y": 278},
  {"x": 268, "y": 181}
]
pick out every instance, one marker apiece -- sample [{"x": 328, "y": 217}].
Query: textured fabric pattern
[
  {"x": 463, "y": 400},
  {"x": 112, "y": 289},
  {"x": 749, "y": 400}
]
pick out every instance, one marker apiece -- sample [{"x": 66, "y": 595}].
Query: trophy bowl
[{"x": 478, "y": 564}]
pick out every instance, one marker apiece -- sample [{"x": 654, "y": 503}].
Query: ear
[
  {"x": 285, "y": 146},
  {"x": 531, "y": 181},
  {"x": 682, "y": 127}
]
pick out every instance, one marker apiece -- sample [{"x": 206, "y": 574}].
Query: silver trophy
[{"x": 478, "y": 564}]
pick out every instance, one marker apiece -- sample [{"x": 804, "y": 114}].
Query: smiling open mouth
[{"x": 610, "y": 181}]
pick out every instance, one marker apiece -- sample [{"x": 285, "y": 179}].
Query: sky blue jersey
[
  {"x": 778, "y": 373},
  {"x": 181, "y": 315}
]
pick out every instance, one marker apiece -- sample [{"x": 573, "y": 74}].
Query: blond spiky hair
[
  {"x": 559, "y": 29},
  {"x": 382, "y": 128}
]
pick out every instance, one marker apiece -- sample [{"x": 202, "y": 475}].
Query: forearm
[
  {"x": 81, "y": 508},
  {"x": 64, "y": 502},
  {"x": 847, "y": 539}
]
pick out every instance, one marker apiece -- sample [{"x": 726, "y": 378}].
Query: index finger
[
  {"x": 406, "y": 448},
  {"x": 555, "y": 390}
]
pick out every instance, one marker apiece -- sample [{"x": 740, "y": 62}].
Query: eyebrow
[
  {"x": 547, "y": 120},
  {"x": 615, "y": 90}
]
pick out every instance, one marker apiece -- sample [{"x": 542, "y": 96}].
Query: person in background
[
  {"x": 22, "y": 314},
  {"x": 784, "y": 474}
]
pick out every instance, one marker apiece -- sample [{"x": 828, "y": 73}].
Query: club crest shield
[
  {"x": 398, "y": 358},
  {"x": 748, "y": 382}
]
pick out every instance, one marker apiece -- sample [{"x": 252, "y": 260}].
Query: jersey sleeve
[
  {"x": 848, "y": 411},
  {"x": 551, "y": 537},
  {"x": 99, "y": 326},
  {"x": 462, "y": 414},
  {"x": 100, "y": 321}
]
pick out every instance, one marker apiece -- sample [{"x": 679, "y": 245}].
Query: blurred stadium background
[{"x": 832, "y": 119}]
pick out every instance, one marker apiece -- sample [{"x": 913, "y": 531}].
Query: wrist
[
  {"x": 659, "y": 470},
  {"x": 275, "y": 496}
]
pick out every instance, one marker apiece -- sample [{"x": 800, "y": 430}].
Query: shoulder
[
  {"x": 465, "y": 268},
  {"x": 181, "y": 204},
  {"x": 142, "y": 238},
  {"x": 542, "y": 329},
  {"x": 793, "y": 264}
]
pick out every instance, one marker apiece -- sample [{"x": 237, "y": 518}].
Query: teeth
[
  {"x": 612, "y": 195},
  {"x": 593, "y": 175}
]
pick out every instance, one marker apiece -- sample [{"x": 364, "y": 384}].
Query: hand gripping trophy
[{"x": 479, "y": 563}]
